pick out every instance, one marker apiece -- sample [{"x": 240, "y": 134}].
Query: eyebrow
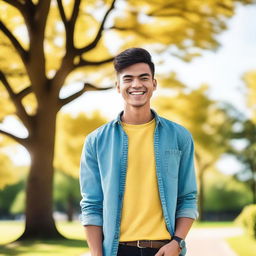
[{"x": 141, "y": 75}]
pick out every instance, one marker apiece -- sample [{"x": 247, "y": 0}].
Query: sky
[{"x": 221, "y": 70}]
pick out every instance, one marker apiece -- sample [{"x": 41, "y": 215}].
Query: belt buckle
[{"x": 138, "y": 244}]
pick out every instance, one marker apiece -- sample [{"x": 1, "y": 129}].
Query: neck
[{"x": 137, "y": 115}]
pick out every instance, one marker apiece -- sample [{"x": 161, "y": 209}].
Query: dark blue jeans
[{"x": 125, "y": 250}]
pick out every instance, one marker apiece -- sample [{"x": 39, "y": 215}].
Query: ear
[
  {"x": 117, "y": 86},
  {"x": 154, "y": 84}
]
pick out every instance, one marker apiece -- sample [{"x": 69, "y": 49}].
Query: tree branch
[
  {"x": 62, "y": 13},
  {"x": 87, "y": 87},
  {"x": 24, "y": 92},
  {"x": 99, "y": 33},
  {"x": 140, "y": 33},
  {"x": 83, "y": 62},
  {"x": 41, "y": 14},
  {"x": 75, "y": 13},
  {"x": 23, "y": 142},
  {"x": 69, "y": 25},
  {"x": 21, "y": 51},
  {"x": 21, "y": 112},
  {"x": 15, "y": 4}
]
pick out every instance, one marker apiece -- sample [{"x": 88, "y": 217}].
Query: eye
[
  {"x": 144, "y": 78},
  {"x": 127, "y": 80}
]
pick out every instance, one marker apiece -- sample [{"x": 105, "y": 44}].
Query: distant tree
[
  {"x": 8, "y": 171},
  {"x": 247, "y": 134},
  {"x": 72, "y": 131},
  {"x": 43, "y": 43},
  {"x": 66, "y": 194},
  {"x": 250, "y": 83},
  {"x": 224, "y": 193},
  {"x": 7, "y": 197},
  {"x": 247, "y": 154},
  {"x": 208, "y": 123}
]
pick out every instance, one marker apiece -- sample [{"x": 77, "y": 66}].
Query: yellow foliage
[
  {"x": 250, "y": 81},
  {"x": 6, "y": 107},
  {"x": 30, "y": 103},
  {"x": 8, "y": 174},
  {"x": 85, "y": 30},
  {"x": 71, "y": 133},
  {"x": 14, "y": 21},
  {"x": 200, "y": 115}
]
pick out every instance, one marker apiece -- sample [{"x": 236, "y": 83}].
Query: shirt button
[
  {"x": 116, "y": 236},
  {"x": 120, "y": 196}
]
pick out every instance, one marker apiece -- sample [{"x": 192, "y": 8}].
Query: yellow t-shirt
[{"x": 142, "y": 215}]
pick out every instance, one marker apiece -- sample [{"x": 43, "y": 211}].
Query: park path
[{"x": 209, "y": 241}]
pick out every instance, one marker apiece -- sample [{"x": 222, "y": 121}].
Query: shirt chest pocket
[{"x": 172, "y": 162}]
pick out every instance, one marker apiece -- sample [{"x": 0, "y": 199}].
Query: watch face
[{"x": 182, "y": 244}]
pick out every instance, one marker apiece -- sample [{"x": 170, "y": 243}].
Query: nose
[{"x": 136, "y": 83}]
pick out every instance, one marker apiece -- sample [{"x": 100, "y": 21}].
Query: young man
[{"x": 137, "y": 174}]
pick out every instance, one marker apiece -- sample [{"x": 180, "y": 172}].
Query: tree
[
  {"x": 249, "y": 153},
  {"x": 224, "y": 193},
  {"x": 51, "y": 41},
  {"x": 8, "y": 172},
  {"x": 8, "y": 196},
  {"x": 250, "y": 82},
  {"x": 69, "y": 142},
  {"x": 208, "y": 123},
  {"x": 246, "y": 133},
  {"x": 246, "y": 154}
]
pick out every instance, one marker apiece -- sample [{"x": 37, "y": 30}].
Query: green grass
[
  {"x": 75, "y": 245},
  {"x": 243, "y": 245},
  {"x": 213, "y": 224}
]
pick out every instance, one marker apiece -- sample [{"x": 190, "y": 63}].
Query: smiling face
[{"x": 136, "y": 85}]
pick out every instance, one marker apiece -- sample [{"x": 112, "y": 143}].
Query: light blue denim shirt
[{"x": 103, "y": 175}]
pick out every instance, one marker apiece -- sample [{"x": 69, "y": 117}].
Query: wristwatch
[{"x": 180, "y": 241}]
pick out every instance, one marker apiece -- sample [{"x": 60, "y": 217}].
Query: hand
[{"x": 170, "y": 249}]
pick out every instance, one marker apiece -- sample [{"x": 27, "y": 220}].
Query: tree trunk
[
  {"x": 70, "y": 208},
  {"x": 39, "y": 190},
  {"x": 200, "y": 186},
  {"x": 201, "y": 197},
  {"x": 254, "y": 189}
]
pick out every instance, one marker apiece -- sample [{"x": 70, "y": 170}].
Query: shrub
[{"x": 248, "y": 219}]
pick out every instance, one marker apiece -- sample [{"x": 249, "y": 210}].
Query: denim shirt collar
[{"x": 156, "y": 116}]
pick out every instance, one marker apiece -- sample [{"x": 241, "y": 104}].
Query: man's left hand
[{"x": 170, "y": 249}]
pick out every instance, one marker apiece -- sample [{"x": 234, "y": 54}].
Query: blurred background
[{"x": 57, "y": 84}]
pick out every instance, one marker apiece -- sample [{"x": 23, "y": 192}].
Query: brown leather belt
[{"x": 146, "y": 243}]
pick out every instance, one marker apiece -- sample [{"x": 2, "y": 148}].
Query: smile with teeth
[{"x": 137, "y": 93}]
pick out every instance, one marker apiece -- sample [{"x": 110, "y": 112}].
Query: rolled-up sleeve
[
  {"x": 90, "y": 186},
  {"x": 187, "y": 188}
]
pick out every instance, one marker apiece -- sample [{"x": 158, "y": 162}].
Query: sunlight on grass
[
  {"x": 10, "y": 231},
  {"x": 74, "y": 246},
  {"x": 71, "y": 230},
  {"x": 243, "y": 245},
  {"x": 41, "y": 248},
  {"x": 13, "y": 229},
  {"x": 213, "y": 224}
]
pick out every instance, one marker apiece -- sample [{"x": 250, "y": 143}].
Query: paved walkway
[
  {"x": 211, "y": 241},
  {"x": 208, "y": 242}
]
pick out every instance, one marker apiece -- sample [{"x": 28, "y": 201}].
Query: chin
[{"x": 138, "y": 105}]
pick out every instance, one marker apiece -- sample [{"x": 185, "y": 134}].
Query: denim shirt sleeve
[
  {"x": 187, "y": 189},
  {"x": 90, "y": 185}
]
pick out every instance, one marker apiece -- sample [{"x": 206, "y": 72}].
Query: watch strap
[{"x": 179, "y": 240}]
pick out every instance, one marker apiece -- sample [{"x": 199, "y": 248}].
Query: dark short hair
[{"x": 132, "y": 56}]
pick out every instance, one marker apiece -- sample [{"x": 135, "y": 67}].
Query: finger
[{"x": 159, "y": 253}]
